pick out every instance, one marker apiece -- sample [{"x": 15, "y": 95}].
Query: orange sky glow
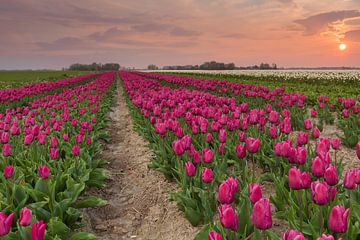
[{"x": 292, "y": 33}]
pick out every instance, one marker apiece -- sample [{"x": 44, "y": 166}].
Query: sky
[{"x": 53, "y": 34}]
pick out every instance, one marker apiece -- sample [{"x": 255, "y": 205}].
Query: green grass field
[{"x": 15, "y": 79}]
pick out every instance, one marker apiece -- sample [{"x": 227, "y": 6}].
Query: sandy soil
[{"x": 138, "y": 200}]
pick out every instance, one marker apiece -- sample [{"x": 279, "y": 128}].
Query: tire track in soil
[{"x": 138, "y": 200}]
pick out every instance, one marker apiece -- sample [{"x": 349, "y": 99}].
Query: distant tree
[
  {"x": 152, "y": 67},
  {"x": 95, "y": 67}
]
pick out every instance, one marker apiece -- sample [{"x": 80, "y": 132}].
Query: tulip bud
[
  {"x": 189, "y": 169},
  {"x": 214, "y": 236},
  {"x": 320, "y": 193},
  {"x": 8, "y": 171},
  {"x": 207, "y": 175},
  {"x": 273, "y": 132},
  {"x": 301, "y": 154},
  {"x": 54, "y": 143},
  {"x": 25, "y": 217},
  {"x": 38, "y": 230},
  {"x": 331, "y": 176},
  {"x": 44, "y": 172},
  {"x": 5, "y": 223},
  {"x": 66, "y": 137},
  {"x": 261, "y": 214},
  {"x": 228, "y": 217},
  {"x": 338, "y": 218},
  {"x": 255, "y": 193},
  {"x": 293, "y": 235}
]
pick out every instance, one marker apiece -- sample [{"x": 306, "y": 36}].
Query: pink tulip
[
  {"x": 331, "y": 176},
  {"x": 227, "y": 191},
  {"x": 255, "y": 193},
  {"x": 240, "y": 151},
  {"x": 241, "y": 136},
  {"x": 297, "y": 179},
  {"x": 307, "y": 124},
  {"x": 41, "y": 138},
  {"x": 25, "y": 217},
  {"x": 326, "y": 237},
  {"x": 178, "y": 147},
  {"x": 207, "y": 175},
  {"x": 338, "y": 218},
  {"x": 196, "y": 158},
  {"x": 302, "y": 139},
  {"x": 38, "y": 230},
  {"x": 76, "y": 150},
  {"x": 318, "y": 167},
  {"x": 301, "y": 154},
  {"x": 313, "y": 113},
  {"x": 350, "y": 180},
  {"x": 28, "y": 139},
  {"x": 316, "y": 133},
  {"x": 189, "y": 169},
  {"x": 221, "y": 149},
  {"x": 320, "y": 193},
  {"x": 6, "y": 150},
  {"x": 5, "y": 223},
  {"x": 66, "y": 137},
  {"x": 208, "y": 138},
  {"x": 222, "y": 136},
  {"x": 273, "y": 132},
  {"x": 214, "y": 236},
  {"x": 207, "y": 155},
  {"x": 54, "y": 153},
  {"x": 44, "y": 172},
  {"x": 293, "y": 235},
  {"x": 8, "y": 171},
  {"x": 228, "y": 217},
  {"x": 358, "y": 150},
  {"x": 261, "y": 214},
  {"x": 54, "y": 142},
  {"x": 252, "y": 145},
  {"x": 335, "y": 143},
  {"x": 274, "y": 117}
]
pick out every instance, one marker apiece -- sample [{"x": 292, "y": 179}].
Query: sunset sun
[{"x": 342, "y": 46}]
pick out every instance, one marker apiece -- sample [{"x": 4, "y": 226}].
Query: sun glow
[{"x": 342, "y": 46}]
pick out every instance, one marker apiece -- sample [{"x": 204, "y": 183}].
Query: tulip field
[
  {"x": 49, "y": 136},
  {"x": 250, "y": 161},
  {"x": 223, "y": 142}
]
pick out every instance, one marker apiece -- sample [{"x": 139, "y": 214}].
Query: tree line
[
  {"x": 94, "y": 67},
  {"x": 213, "y": 65}
]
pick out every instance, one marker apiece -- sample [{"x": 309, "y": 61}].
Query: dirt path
[{"x": 138, "y": 207}]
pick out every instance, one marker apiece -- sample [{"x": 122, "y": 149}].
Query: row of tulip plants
[
  {"x": 49, "y": 150},
  {"x": 345, "y": 110},
  {"x": 19, "y": 97},
  {"x": 221, "y": 149}
]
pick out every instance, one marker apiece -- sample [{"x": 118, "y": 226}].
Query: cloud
[
  {"x": 165, "y": 28},
  {"x": 109, "y": 34},
  {"x": 66, "y": 43},
  {"x": 316, "y": 23},
  {"x": 235, "y": 35},
  {"x": 353, "y": 36}
]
